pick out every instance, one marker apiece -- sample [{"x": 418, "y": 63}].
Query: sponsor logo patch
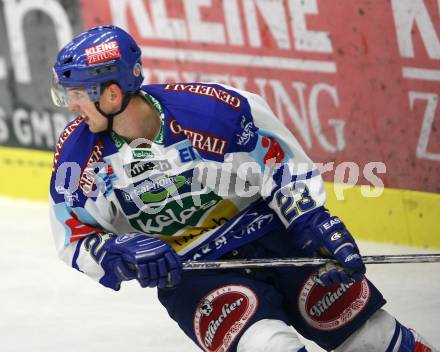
[
  {"x": 208, "y": 91},
  {"x": 173, "y": 216},
  {"x": 222, "y": 315},
  {"x": 142, "y": 154},
  {"x": 200, "y": 140},
  {"x": 187, "y": 154},
  {"x": 170, "y": 187},
  {"x": 137, "y": 168},
  {"x": 258, "y": 223},
  {"x": 330, "y": 308},
  {"x": 102, "y": 52},
  {"x": 63, "y": 137},
  {"x": 247, "y": 131},
  {"x": 274, "y": 153},
  {"x": 137, "y": 69},
  {"x": 117, "y": 140},
  {"x": 69, "y": 196},
  {"x": 158, "y": 189},
  {"x": 87, "y": 181}
]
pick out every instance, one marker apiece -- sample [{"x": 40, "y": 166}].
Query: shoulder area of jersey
[
  {"x": 197, "y": 95},
  {"x": 75, "y": 142}
]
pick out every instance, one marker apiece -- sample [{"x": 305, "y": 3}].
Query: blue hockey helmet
[{"x": 100, "y": 55}]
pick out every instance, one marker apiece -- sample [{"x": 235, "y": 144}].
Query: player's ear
[{"x": 113, "y": 94}]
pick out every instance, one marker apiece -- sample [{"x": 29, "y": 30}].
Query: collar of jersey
[{"x": 119, "y": 141}]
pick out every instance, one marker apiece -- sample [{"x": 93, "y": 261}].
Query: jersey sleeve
[
  {"x": 268, "y": 156},
  {"x": 78, "y": 220},
  {"x": 78, "y": 239}
]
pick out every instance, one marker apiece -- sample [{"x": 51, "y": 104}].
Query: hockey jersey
[{"x": 222, "y": 171}]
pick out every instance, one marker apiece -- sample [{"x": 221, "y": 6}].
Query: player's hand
[
  {"x": 151, "y": 261},
  {"x": 327, "y": 234},
  {"x": 333, "y": 273}
]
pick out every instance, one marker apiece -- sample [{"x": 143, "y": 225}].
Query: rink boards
[{"x": 397, "y": 216}]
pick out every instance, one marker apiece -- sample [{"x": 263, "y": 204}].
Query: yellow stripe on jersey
[{"x": 221, "y": 213}]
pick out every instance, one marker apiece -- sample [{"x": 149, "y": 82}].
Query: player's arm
[
  {"x": 84, "y": 244},
  {"x": 293, "y": 187}
]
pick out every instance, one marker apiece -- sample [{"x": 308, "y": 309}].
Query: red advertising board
[{"x": 355, "y": 81}]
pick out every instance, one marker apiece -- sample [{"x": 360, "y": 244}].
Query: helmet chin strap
[{"x": 111, "y": 116}]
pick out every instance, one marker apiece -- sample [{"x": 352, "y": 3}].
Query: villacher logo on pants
[
  {"x": 222, "y": 314},
  {"x": 330, "y": 308}
]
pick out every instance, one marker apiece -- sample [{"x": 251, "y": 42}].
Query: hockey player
[{"x": 147, "y": 177}]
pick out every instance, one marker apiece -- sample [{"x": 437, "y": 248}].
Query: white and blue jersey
[{"x": 223, "y": 171}]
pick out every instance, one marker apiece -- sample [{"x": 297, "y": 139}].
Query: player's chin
[{"x": 96, "y": 129}]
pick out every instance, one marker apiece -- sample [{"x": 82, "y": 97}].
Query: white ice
[{"x": 47, "y": 306}]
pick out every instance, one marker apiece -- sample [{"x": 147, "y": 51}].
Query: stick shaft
[{"x": 286, "y": 262}]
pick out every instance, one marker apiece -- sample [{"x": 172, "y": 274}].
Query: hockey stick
[{"x": 285, "y": 262}]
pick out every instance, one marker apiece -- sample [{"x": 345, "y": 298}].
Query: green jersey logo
[
  {"x": 118, "y": 141},
  {"x": 173, "y": 216},
  {"x": 142, "y": 154},
  {"x": 163, "y": 191}
]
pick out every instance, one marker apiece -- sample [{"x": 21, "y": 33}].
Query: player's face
[{"x": 78, "y": 101}]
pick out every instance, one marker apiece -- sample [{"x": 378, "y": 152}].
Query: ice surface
[{"x": 47, "y": 306}]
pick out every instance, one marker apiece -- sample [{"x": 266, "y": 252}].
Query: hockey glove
[
  {"x": 325, "y": 234},
  {"x": 151, "y": 261}
]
